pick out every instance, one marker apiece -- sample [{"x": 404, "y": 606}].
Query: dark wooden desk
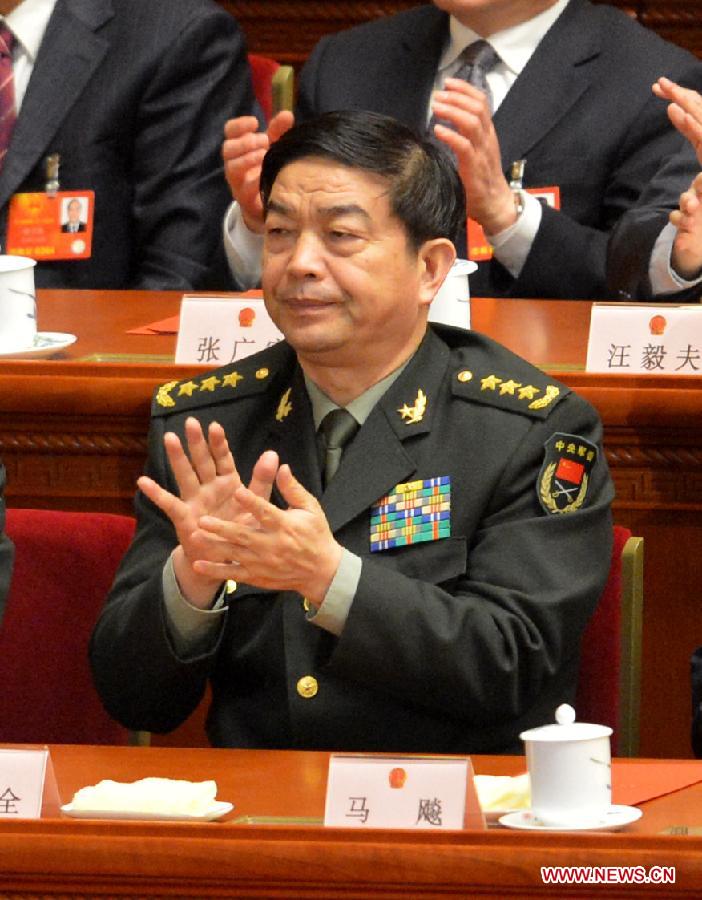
[
  {"x": 73, "y": 436},
  {"x": 92, "y": 858}
]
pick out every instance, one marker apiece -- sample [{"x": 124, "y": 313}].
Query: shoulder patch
[
  {"x": 563, "y": 481},
  {"x": 221, "y": 385},
  {"x": 535, "y": 397}
]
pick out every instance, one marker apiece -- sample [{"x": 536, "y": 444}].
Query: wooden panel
[{"x": 288, "y": 29}]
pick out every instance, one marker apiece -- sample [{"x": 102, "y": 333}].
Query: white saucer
[
  {"x": 218, "y": 809},
  {"x": 616, "y": 817},
  {"x": 45, "y": 343}
]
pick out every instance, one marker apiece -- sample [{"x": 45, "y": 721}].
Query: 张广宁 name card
[
  {"x": 215, "y": 331},
  {"x": 645, "y": 339}
]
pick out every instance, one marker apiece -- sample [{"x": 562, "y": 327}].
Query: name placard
[
  {"x": 642, "y": 339},
  {"x": 215, "y": 331},
  {"x": 26, "y": 784},
  {"x": 401, "y": 792}
]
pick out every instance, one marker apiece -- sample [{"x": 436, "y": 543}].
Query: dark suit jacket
[
  {"x": 6, "y": 550},
  {"x": 452, "y": 645},
  {"x": 581, "y": 113},
  {"x": 632, "y": 240},
  {"x": 133, "y": 96},
  {"x": 66, "y": 228}
]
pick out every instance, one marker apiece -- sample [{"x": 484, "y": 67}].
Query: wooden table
[
  {"x": 240, "y": 857},
  {"x": 73, "y": 436}
]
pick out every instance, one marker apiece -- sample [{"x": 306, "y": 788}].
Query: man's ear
[{"x": 436, "y": 258}]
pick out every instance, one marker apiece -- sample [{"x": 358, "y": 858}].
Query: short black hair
[{"x": 425, "y": 192}]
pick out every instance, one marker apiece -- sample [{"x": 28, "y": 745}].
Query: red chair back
[
  {"x": 263, "y": 68},
  {"x": 64, "y": 566},
  {"x": 601, "y": 655}
]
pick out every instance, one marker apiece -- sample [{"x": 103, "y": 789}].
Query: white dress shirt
[
  {"x": 515, "y": 47},
  {"x": 28, "y": 22}
]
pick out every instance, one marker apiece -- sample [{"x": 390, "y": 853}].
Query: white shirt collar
[
  {"x": 28, "y": 22},
  {"x": 514, "y": 45}
]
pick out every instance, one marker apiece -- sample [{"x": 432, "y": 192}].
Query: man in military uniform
[{"x": 426, "y": 527}]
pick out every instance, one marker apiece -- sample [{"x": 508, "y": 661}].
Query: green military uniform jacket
[{"x": 452, "y": 644}]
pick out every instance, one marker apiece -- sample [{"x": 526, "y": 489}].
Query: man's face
[
  {"x": 340, "y": 279},
  {"x": 74, "y": 211}
]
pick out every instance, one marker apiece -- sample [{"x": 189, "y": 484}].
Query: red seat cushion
[{"x": 64, "y": 565}]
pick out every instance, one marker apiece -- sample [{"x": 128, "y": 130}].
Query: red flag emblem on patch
[{"x": 570, "y": 470}]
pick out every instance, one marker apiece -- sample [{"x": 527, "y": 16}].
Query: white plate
[
  {"x": 46, "y": 343},
  {"x": 218, "y": 809},
  {"x": 493, "y": 816},
  {"x": 615, "y": 817}
]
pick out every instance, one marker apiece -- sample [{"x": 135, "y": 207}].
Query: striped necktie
[
  {"x": 8, "y": 114},
  {"x": 476, "y": 60}
]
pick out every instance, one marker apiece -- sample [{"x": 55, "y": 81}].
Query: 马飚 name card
[
  {"x": 22, "y": 775},
  {"x": 645, "y": 339},
  {"x": 401, "y": 792},
  {"x": 215, "y": 331}
]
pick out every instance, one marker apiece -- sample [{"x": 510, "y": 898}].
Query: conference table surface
[{"x": 273, "y": 844}]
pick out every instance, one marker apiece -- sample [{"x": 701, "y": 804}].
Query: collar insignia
[
  {"x": 415, "y": 413},
  {"x": 284, "y": 406}
]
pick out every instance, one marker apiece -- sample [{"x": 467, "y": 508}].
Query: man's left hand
[
  {"x": 489, "y": 198},
  {"x": 686, "y": 257},
  {"x": 286, "y": 549}
]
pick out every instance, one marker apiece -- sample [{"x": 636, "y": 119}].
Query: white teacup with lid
[
  {"x": 570, "y": 769},
  {"x": 18, "y": 315},
  {"x": 451, "y": 305}
]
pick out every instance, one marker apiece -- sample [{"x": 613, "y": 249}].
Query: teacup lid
[
  {"x": 463, "y": 267},
  {"x": 566, "y": 728}
]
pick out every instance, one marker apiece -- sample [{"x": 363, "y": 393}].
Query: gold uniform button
[
  {"x": 465, "y": 375},
  {"x": 307, "y": 687},
  {"x": 261, "y": 374}
]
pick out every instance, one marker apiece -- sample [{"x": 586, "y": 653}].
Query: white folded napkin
[
  {"x": 149, "y": 795},
  {"x": 503, "y": 792}
]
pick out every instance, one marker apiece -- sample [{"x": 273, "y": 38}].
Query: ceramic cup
[
  {"x": 451, "y": 305},
  {"x": 18, "y": 313},
  {"x": 570, "y": 772}
]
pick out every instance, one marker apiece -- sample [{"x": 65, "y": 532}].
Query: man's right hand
[
  {"x": 207, "y": 480},
  {"x": 243, "y": 150}
]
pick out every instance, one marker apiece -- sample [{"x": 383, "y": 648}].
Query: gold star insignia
[
  {"x": 284, "y": 407},
  {"x": 415, "y": 413},
  {"x": 232, "y": 379},
  {"x": 489, "y": 383},
  {"x": 163, "y": 397},
  {"x": 528, "y": 392},
  {"x": 509, "y": 387},
  {"x": 209, "y": 384},
  {"x": 551, "y": 393},
  {"x": 187, "y": 389}
]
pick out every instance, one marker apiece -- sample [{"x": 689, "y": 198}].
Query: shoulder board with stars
[
  {"x": 221, "y": 385},
  {"x": 534, "y": 397}
]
